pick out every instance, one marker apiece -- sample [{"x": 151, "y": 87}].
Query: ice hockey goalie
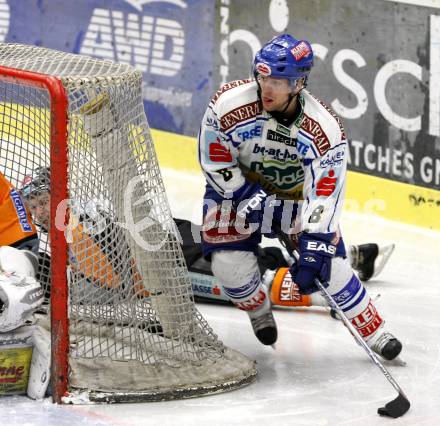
[{"x": 24, "y": 347}]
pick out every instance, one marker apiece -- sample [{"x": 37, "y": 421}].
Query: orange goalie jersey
[{"x": 16, "y": 224}]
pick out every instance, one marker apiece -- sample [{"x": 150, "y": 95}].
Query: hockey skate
[
  {"x": 387, "y": 346},
  {"x": 263, "y": 323},
  {"x": 368, "y": 260}
]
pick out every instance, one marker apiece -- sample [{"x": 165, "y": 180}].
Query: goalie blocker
[
  {"x": 24, "y": 347},
  {"x": 367, "y": 259}
]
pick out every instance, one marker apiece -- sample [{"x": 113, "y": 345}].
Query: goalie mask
[
  {"x": 37, "y": 183},
  {"x": 36, "y": 194}
]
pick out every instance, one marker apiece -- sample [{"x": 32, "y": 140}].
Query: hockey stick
[{"x": 398, "y": 406}]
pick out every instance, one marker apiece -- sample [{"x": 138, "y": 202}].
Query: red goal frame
[{"x": 59, "y": 193}]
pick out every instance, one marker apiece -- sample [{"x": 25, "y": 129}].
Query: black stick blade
[{"x": 395, "y": 408}]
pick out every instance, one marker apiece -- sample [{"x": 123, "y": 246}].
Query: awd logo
[{"x": 152, "y": 44}]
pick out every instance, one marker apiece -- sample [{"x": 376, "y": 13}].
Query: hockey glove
[
  {"x": 252, "y": 206},
  {"x": 315, "y": 255}
]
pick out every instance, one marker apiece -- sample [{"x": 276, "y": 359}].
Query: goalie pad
[
  {"x": 39, "y": 373},
  {"x": 18, "y": 262},
  {"x": 20, "y": 296},
  {"x": 99, "y": 119}
]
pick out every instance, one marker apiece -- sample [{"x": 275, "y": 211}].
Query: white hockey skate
[
  {"x": 368, "y": 260},
  {"x": 263, "y": 323},
  {"x": 386, "y": 345}
]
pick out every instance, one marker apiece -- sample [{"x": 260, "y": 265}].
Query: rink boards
[
  {"x": 410, "y": 204},
  {"x": 393, "y": 200}
]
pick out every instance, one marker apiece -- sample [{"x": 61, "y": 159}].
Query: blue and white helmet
[
  {"x": 284, "y": 57},
  {"x": 36, "y": 183}
]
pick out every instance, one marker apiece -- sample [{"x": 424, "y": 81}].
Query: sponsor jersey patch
[
  {"x": 21, "y": 211},
  {"x": 326, "y": 185},
  {"x": 317, "y": 136},
  {"x": 221, "y": 226},
  {"x": 300, "y": 51},
  {"x": 240, "y": 114}
]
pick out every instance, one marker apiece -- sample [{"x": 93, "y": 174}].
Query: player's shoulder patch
[
  {"x": 320, "y": 127},
  {"x": 228, "y": 86},
  {"x": 238, "y": 105},
  {"x": 327, "y": 112},
  {"x": 240, "y": 114}
]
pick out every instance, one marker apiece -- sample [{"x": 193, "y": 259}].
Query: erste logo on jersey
[
  {"x": 327, "y": 185},
  {"x": 218, "y": 153},
  {"x": 215, "y": 152},
  {"x": 263, "y": 69},
  {"x": 250, "y": 132}
]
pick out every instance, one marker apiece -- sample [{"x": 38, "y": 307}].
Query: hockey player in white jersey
[
  {"x": 369, "y": 259},
  {"x": 273, "y": 153}
]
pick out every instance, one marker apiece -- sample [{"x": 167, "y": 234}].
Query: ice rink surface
[{"x": 317, "y": 375}]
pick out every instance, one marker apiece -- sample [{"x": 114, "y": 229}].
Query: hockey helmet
[
  {"x": 37, "y": 183},
  {"x": 284, "y": 57}
]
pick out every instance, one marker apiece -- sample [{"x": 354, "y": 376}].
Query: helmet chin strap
[
  {"x": 281, "y": 116},
  {"x": 291, "y": 97}
]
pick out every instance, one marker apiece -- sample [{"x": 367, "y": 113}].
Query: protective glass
[{"x": 276, "y": 85}]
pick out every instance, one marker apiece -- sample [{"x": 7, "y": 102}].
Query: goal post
[
  {"x": 122, "y": 318},
  {"x": 58, "y": 108}
]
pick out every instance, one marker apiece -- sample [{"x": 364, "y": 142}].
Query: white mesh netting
[{"x": 135, "y": 332}]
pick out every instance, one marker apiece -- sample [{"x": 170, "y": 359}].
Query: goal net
[{"x": 122, "y": 318}]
